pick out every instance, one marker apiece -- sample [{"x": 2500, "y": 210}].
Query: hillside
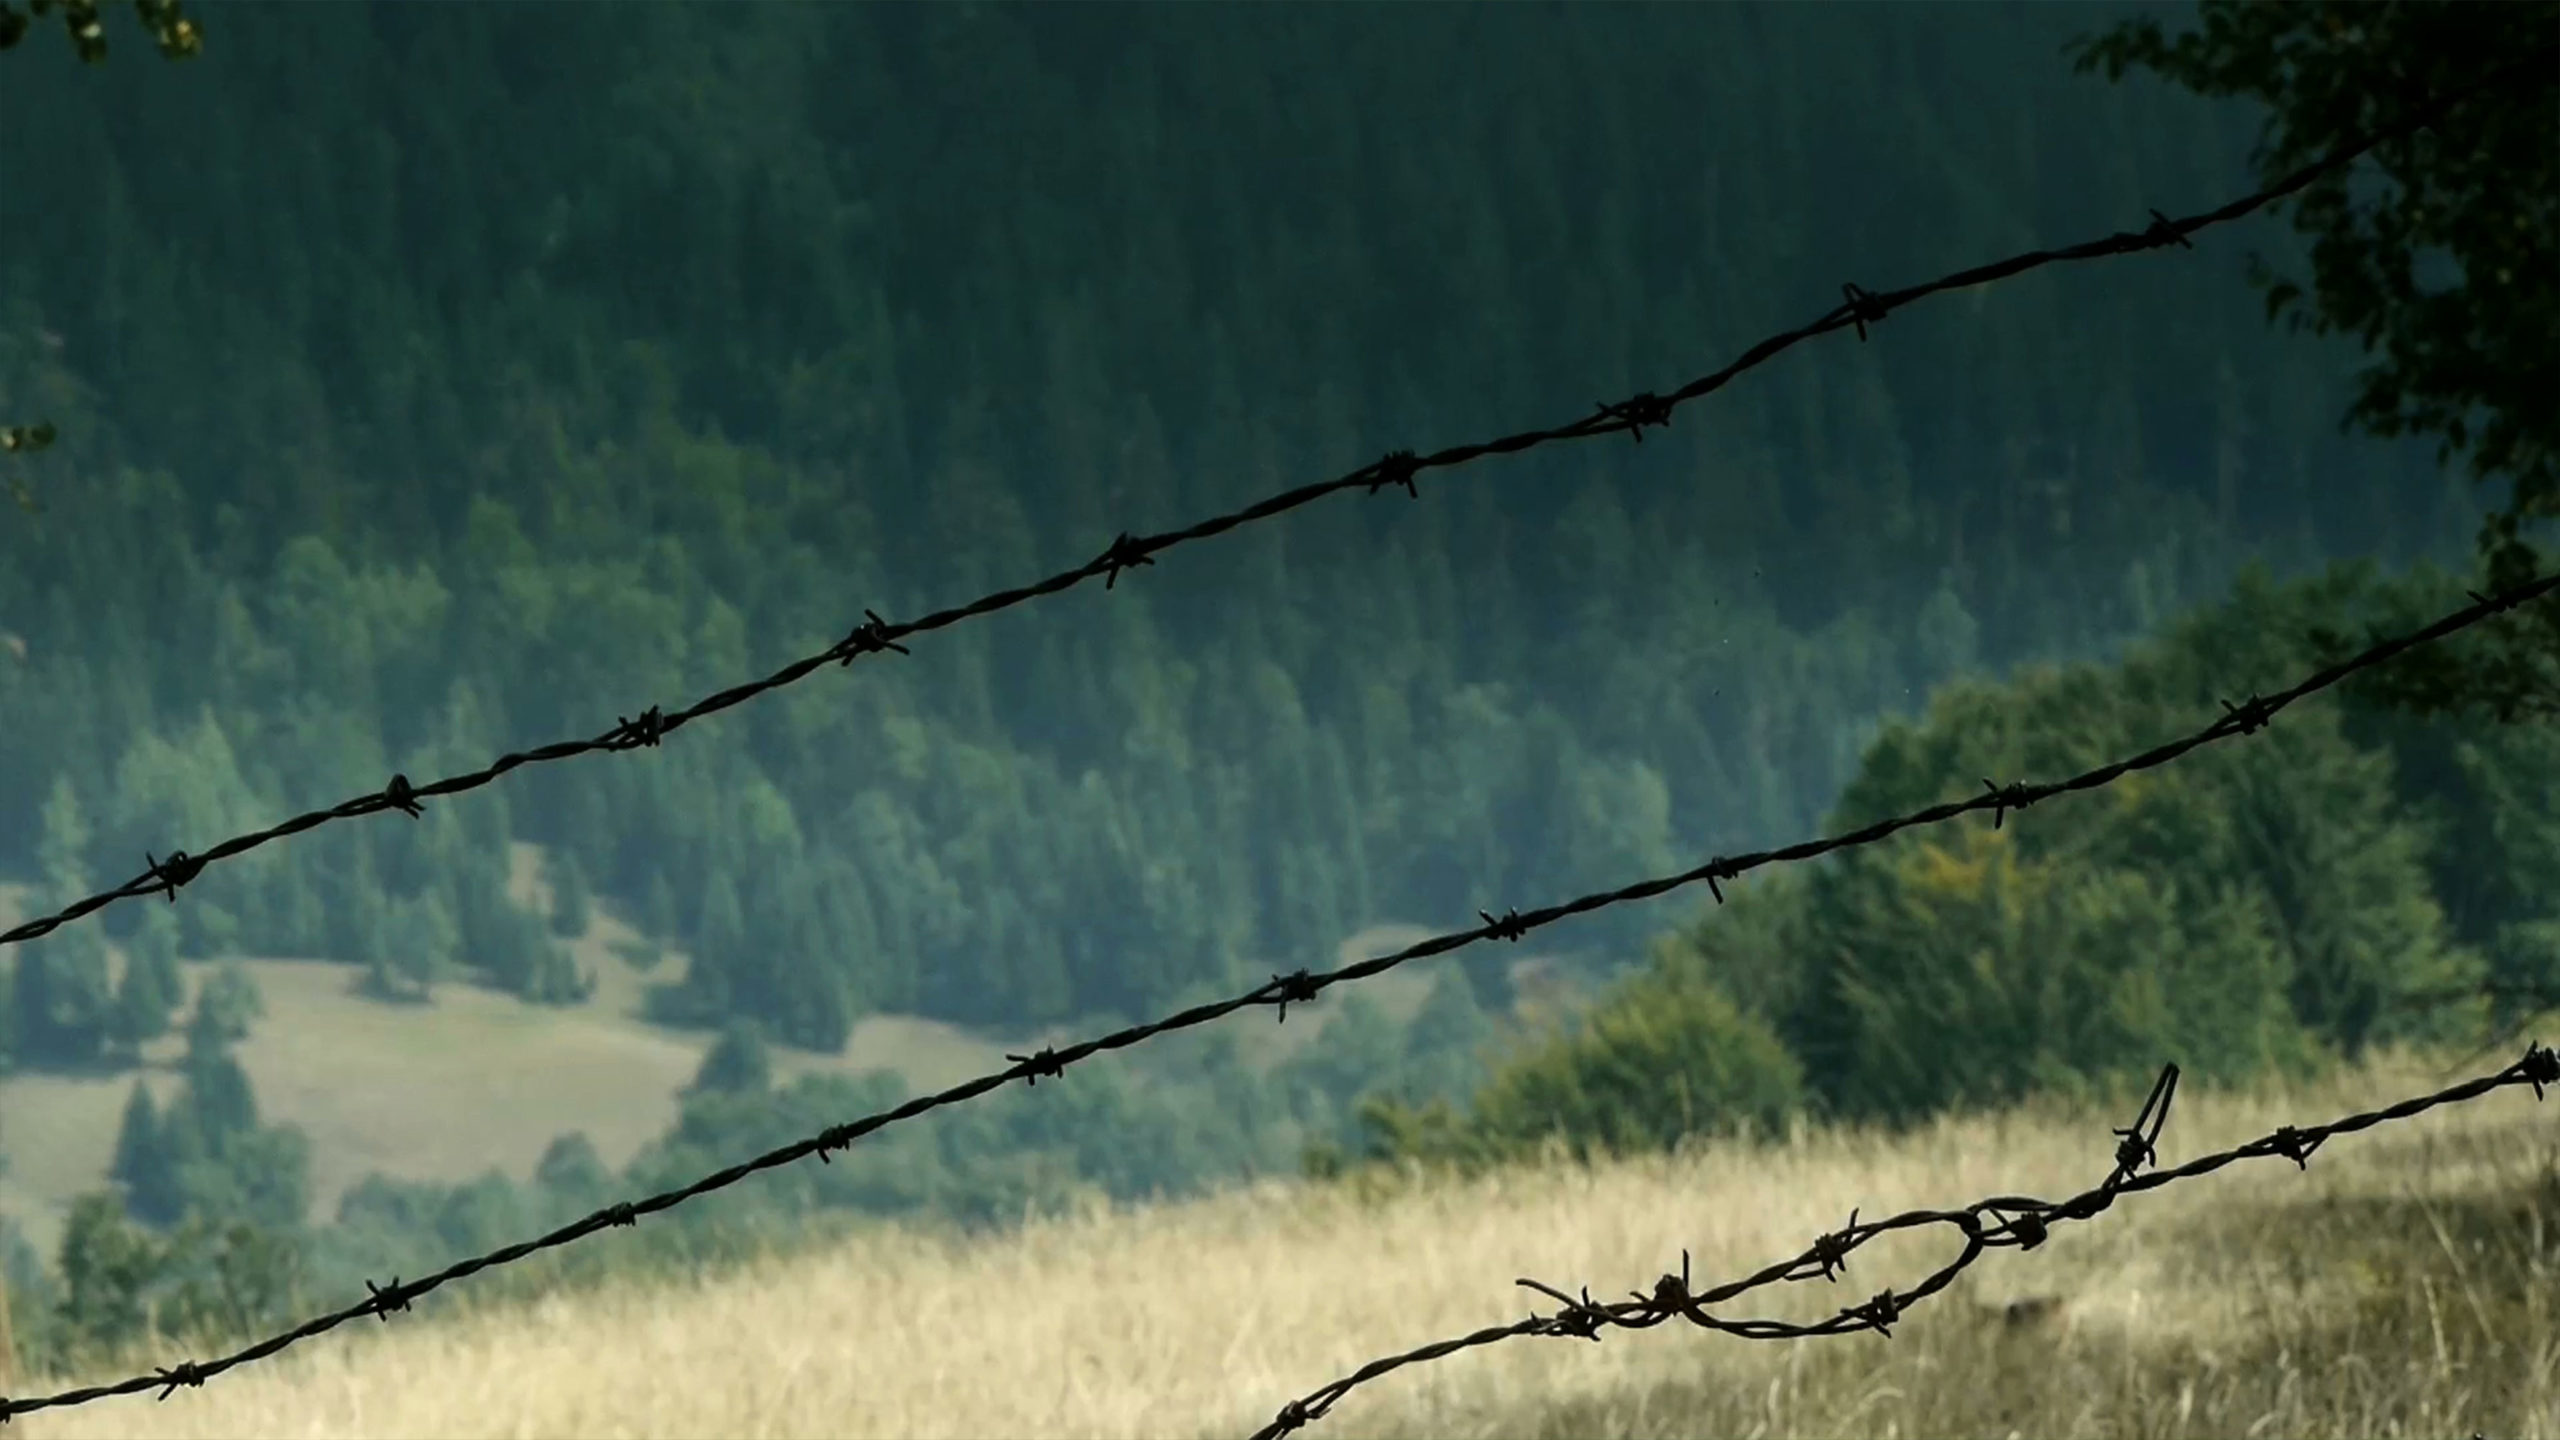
[
  {"x": 2401, "y": 1285},
  {"x": 480, "y": 1079}
]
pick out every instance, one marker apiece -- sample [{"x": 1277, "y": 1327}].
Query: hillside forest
[{"x": 430, "y": 383}]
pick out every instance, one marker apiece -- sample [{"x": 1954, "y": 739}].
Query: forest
[{"x": 434, "y": 382}]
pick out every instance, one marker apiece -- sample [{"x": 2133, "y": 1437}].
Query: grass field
[
  {"x": 2404, "y": 1286},
  {"x": 479, "y": 1079}
]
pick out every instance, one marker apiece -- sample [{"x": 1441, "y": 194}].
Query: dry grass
[{"x": 2403, "y": 1286}]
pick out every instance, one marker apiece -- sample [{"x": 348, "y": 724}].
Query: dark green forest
[{"x": 434, "y": 382}]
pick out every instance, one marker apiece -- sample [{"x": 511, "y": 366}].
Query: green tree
[
  {"x": 151, "y": 988},
  {"x": 227, "y": 1279},
  {"x": 261, "y": 1176},
  {"x": 226, "y": 1006},
  {"x": 149, "y": 1159},
  {"x": 421, "y": 937},
  {"x": 61, "y": 1001},
  {"x": 62, "y": 846},
  {"x": 137, "y": 1138},
  {"x": 658, "y": 913},
  {"x": 107, "y": 1269},
  {"x": 1444, "y": 1044},
  {"x": 737, "y": 1063},
  {"x": 218, "y": 1104},
  {"x": 2449, "y": 271},
  {"x": 572, "y": 1171},
  {"x": 570, "y": 903}
]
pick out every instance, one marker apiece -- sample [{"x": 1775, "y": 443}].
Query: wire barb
[
  {"x": 398, "y": 796},
  {"x": 1877, "y": 1314},
  {"x": 1830, "y": 1253},
  {"x": 2029, "y": 1230},
  {"x": 167, "y": 875},
  {"x": 1716, "y": 873},
  {"x": 632, "y": 734},
  {"x": 1297, "y": 987},
  {"x": 2163, "y": 232},
  {"x": 868, "y": 638},
  {"x": 1396, "y": 467},
  {"x": 2005, "y": 798},
  {"x": 1864, "y": 309},
  {"x": 1126, "y": 553},
  {"x": 2137, "y": 1145},
  {"x": 1578, "y": 1320},
  {"x": 1638, "y": 411},
  {"x": 2293, "y": 1145},
  {"x": 385, "y": 1298},
  {"x": 2249, "y": 716},
  {"x": 1044, "y": 1064},
  {"x": 2539, "y": 1067}
]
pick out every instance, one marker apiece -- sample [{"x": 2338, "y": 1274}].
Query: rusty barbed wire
[
  {"x": 1301, "y": 987},
  {"x": 2014, "y": 1221},
  {"x": 1859, "y": 310}
]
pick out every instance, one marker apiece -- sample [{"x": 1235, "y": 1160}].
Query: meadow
[
  {"x": 2403, "y": 1285},
  {"x": 480, "y": 1079}
]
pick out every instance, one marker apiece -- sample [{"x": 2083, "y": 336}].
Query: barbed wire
[
  {"x": 2018, "y": 1221},
  {"x": 1632, "y": 416},
  {"x": 1301, "y": 987}
]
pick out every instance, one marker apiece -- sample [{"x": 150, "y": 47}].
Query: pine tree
[
  {"x": 570, "y": 903},
  {"x": 659, "y": 912},
  {"x": 571, "y": 1169},
  {"x": 219, "y": 1105},
  {"x": 149, "y": 1154},
  {"x": 137, "y": 1138},
  {"x": 737, "y": 1063},
  {"x": 62, "y": 845},
  {"x": 151, "y": 987},
  {"x": 61, "y": 997},
  {"x": 226, "y": 1006}
]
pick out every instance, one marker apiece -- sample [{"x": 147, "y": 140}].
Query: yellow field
[{"x": 2405, "y": 1285}]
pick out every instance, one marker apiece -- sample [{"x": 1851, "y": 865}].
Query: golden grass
[{"x": 2403, "y": 1286}]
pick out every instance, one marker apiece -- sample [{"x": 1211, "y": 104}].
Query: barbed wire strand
[
  {"x": 2018, "y": 1221},
  {"x": 1282, "y": 991},
  {"x": 1401, "y": 468}
]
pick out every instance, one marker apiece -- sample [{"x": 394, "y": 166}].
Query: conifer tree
[
  {"x": 570, "y": 903},
  {"x": 137, "y": 1137},
  {"x": 737, "y": 1063}
]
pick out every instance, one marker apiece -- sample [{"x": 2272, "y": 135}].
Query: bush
[{"x": 1670, "y": 1055}]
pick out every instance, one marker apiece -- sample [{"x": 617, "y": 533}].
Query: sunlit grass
[{"x": 2404, "y": 1285}]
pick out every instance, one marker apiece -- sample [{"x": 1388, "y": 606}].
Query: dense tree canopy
[
  {"x": 2448, "y": 272},
  {"x": 401, "y": 441}
]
